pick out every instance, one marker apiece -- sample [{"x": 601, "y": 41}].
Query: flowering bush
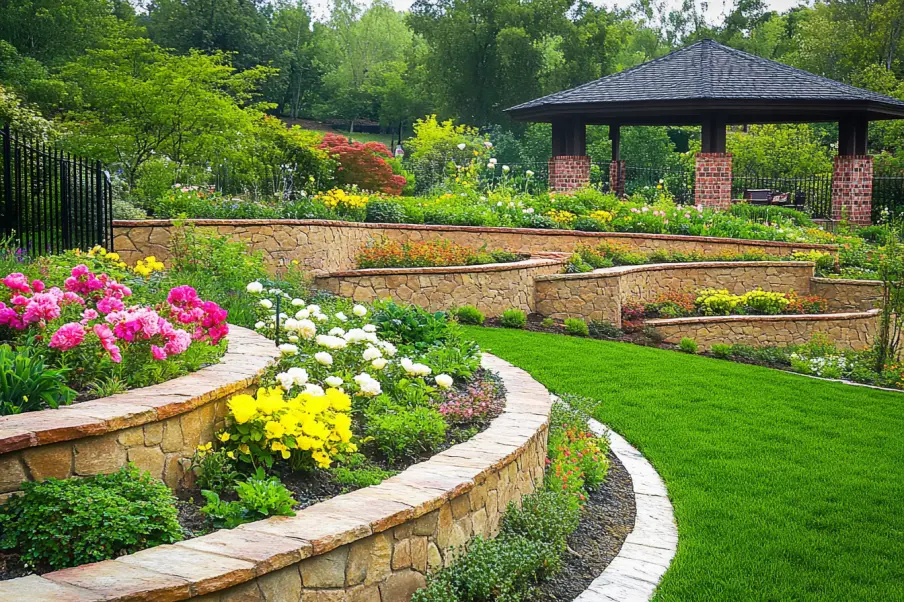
[
  {"x": 363, "y": 165},
  {"x": 386, "y": 253},
  {"x": 475, "y": 403}
]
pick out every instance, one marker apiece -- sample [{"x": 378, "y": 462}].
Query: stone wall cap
[
  {"x": 848, "y": 281},
  {"x": 228, "y": 557},
  {"x": 620, "y": 270},
  {"x": 859, "y": 315},
  {"x": 535, "y": 261},
  {"x": 150, "y": 223},
  {"x": 247, "y": 355}
]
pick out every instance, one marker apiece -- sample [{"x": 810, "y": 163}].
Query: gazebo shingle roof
[{"x": 710, "y": 76}]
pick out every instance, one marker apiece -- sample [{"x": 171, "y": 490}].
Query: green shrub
[
  {"x": 63, "y": 523},
  {"x": 513, "y": 318},
  {"x": 688, "y": 345},
  {"x": 26, "y": 384},
  {"x": 400, "y": 433},
  {"x": 409, "y": 324},
  {"x": 547, "y": 323},
  {"x": 259, "y": 497},
  {"x": 382, "y": 211},
  {"x": 577, "y": 265},
  {"x": 721, "y": 350},
  {"x": 544, "y": 516},
  {"x": 542, "y": 222},
  {"x": 214, "y": 470},
  {"x": 576, "y": 326},
  {"x": 468, "y": 314},
  {"x": 361, "y": 476},
  {"x": 604, "y": 328}
]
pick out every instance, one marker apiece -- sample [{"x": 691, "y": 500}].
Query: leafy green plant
[
  {"x": 513, "y": 318},
  {"x": 468, "y": 314},
  {"x": 604, "y": 328},
  {"x": 259, "y": 497},
  {"x": 688, "y": 345},
  {"x": 409, "y": 324},
  {"x": 361, "y": 476},
  {"x": 721, "y": 350},
  {"x": 214, "y": 470},
  {"x": 547, "y": 323},
  {"x": 27, "y": 384},
  {"x": 577, "y": 327},
  {"x": 399, "y": 432},
  {"x": 62, "y": 523},
  {"x": 577, "y": 265},
  {"x": 383, "y": 211}
]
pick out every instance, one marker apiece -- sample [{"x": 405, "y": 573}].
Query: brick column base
[
  {"x": 568, "y": 172},
  {"x": 713, "y": 185},
  {"x": 852, "y": 188},
  {"x": 617, "y": 177}
]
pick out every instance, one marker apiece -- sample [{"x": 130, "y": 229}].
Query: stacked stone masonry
[
  {"x": 712, "y": 186},
  {"x": 848, "y": 295},
  {"x": 569, "y": 172},
  {"x": 372, "y": 545},
  {"x": 855, "y": 330},
  {"x": 852, "y": 188},
  {"x": 599, "y": 295},
  {"x": 157, "y": 428},
  {"x": 491, "y": 288}
]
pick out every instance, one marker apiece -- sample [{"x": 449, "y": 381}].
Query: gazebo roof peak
[{"x": 704, "y": 78}]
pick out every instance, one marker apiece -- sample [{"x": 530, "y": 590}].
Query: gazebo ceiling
[{"x": 706, "y": 81}]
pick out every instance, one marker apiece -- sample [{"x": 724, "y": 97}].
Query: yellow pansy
[
  {"x": 243, "y": 408},
  {"x": 274, "y": 430}
]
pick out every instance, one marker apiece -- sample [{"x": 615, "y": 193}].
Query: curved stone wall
[
  {"x": 492, "y": 288},
  {"x": 854, "y": 330},
  {"x": 848, "y": 295},
  {"x": 157, "y": 428},
  {"x": 599, "y": 295},
  {"x": 330, "y": 246},
  {"x": 374, "y": 544}
]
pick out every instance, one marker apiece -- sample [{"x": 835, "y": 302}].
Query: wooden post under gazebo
[{"x": 713, "y": 86}]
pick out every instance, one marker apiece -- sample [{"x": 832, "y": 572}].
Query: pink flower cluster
[
  {"x": 478, "y": 402},
  {"x": 208, "y": 318},
  {"x": 106, "y": 293},
  {"x": 32, "y": 303}
]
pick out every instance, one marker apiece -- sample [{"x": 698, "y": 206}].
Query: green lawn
[{"x": 784, "y": 487}]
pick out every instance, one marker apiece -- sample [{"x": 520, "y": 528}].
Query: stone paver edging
[
  {"x": 375, "y": 544},
  {"x": 636, "y": 571}
]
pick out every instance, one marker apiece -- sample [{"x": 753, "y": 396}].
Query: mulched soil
[{"x": 607, "y": 519}]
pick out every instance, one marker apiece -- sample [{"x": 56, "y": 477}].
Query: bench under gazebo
[{"x": 713, "y": 86}]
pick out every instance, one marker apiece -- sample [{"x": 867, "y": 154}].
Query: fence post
[
  {"x": 8, "y": 206},
  {"x": 99, "y": 204},
  {"x": 64, "y": 202}
]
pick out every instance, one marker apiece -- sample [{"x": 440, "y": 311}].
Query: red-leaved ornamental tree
[{"x": 363, "y": 164}]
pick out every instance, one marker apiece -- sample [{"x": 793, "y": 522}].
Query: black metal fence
[
  {"x": 888, "y": 193},
  {"x": 680, "y": 184},
  {"x": 51, "y": 201},
  {"x": 812, "y": 193}
]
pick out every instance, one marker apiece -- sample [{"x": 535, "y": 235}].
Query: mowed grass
[{"x": 784, "y": 487}]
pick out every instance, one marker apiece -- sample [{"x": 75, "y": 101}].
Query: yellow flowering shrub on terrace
[
  {"x": 337, "y": 197},
  {"x": 305, "y": 430},
  {"x": 561, "y": 217},
  {"x": 147, "y": 266}
]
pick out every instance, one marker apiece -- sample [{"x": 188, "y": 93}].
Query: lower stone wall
[
  {"x": 157, "y": 428},
  {"x": 329, "y": 246},
  {"x": 599, "y": 295},
  {"x": 375, "y": 544},
  {"x": 491, "y": 288},
  {"x": 854, "y": 330},
  {"x": 848, "y": 295}
]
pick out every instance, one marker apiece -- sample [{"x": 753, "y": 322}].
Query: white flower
[
  {"x": 298, "y": 302},
  {"x": 371, "y": 353},
  {"x": 368, "y": 384},
  {"x": 314, "y": 309},
  {"x": 491, "y": 165},
  {"x": 306, "y": 328},
  {"x": 266, "y": 303},
  {"x": 529, "y": 173},
  {"x": 323, "y": 358},
  {"x": 321, "y": 317},
  {"x": 413, "y": 369},
  {"x": 302, "y": 314},
  {"x": 299, "y": 375},
  {"x": 379, "y": 363},
  {"x": 444, "y": 381},
  {"x": 488, "y": 144},
  {"x": 254, "y": 287},
  {"x": 358, "y": 335},
  {"x": 462, "y": 146},
  {"x": 258, "y": 325},
  {"x": 288, "y": 349},
  {"x": 493, "y": 160},
  {"x": 359, "y": 310},
  {"x": 285, "y": 380},
  {"x": 499, "y": 203},
  {"x": 342, "y": 317},
  {"x": 336, "y": 332},
  {"x": 330, "y": 342},
  {"x": 506, "y": 168},
  {"x": 290, "y": 324},
  {"x": 388, "y": 347},
  {"x": 315, "y": 390},
  {"x": 293, "y": 338},
  {"x": 333, "y": 381},
  {"x": 369, "y": 328}
]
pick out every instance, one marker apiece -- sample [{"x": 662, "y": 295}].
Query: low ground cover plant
[
  {"x": 513, "y": 318},
  {"x": 468, "y": 314},
  {"x": 719, "y": 302},
  {"x": 386, "y": 253}
]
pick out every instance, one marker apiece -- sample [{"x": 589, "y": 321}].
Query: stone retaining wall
[
  {"x": 491, "y": 288},
  {"x": 855, "y": 330},
  {"x": 599, "y": 295},
  {"x": 329, "y": 246},
  {"x": 372, "y": 545},
  {"x": 848, "y": 295},
  {"x": 157, "y": 427}
]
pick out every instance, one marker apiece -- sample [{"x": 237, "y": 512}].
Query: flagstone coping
[
  {"x": 634, "y": 574},
  {"x": 226, "y": 558},
  {"x": 535, "y": 260},
  {"x": 246, "y": 357}
]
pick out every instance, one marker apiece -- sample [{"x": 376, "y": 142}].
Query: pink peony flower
[
  {"x": 68, "y": 336},
  {"x": 109, "y": 304},
  {"x": 158, "y": 353},
  {"x": 17, "y": 282},
  {"x": 42, "y": 307},
  {"x": 37, "y": 286},
  {"x": 108, "y": 341}
]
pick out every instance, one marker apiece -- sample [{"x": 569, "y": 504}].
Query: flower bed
[{"x": 386, "y": 253}]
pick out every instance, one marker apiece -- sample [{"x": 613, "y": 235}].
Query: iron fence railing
[
  {"x": 679, "y": 183},
  {"x": 888, "y": 193},
  {"x": 50, "y": 200},
  {"x": 810, "y": 193}
]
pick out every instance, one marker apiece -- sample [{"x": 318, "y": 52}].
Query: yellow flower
[
  {"x": 339, "y": 401},
  {"x": 243, "y": 408},
  {"x": 244, "y": 448},
  {"x": 231, "y": 455},
  {"x": 224, "y": 436},
  {"x": 274, "y": 430}
]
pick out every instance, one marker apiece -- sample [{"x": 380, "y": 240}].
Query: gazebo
[{"x": 714, "y": 86}]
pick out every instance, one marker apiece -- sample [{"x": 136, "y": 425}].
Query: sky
[{"x": 714, "y": 12}]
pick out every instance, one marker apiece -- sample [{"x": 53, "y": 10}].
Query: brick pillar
[
  {"x": 852, "y": 188},
  {"x": 617, "y": 177},
  {"x": 713, "y": 185},
  {"x": 568, "y": 172}
]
